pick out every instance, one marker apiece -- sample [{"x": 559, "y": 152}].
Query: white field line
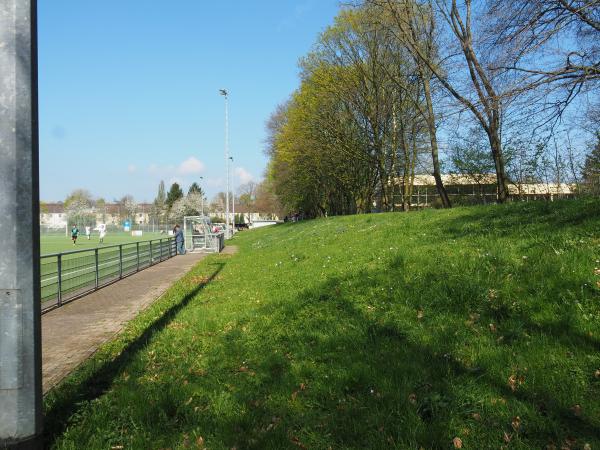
[{"x": 91, "y": 269}]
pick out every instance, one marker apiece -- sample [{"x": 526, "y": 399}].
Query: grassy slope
[{"x": 379, "y": 331}]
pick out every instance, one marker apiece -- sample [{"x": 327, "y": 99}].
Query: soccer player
[
  {"x": 74, "y": 234},
  {"x": 88, "y": 232}
]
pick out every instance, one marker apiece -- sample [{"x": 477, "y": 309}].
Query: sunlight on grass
[{"x": 376, "y": 331}]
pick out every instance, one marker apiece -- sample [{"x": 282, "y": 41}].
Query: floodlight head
[{"x": 223, "y": 92}]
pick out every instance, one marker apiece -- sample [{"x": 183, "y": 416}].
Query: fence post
[
  {"x": 151, "y": 256},
  {"x": 59, "y": 274},
  {"x": 137, "y": 249},
  {"x": 120, "y": 260},
  {"x": 97, "y": 268},
  {"x": 161, "y": 250}
]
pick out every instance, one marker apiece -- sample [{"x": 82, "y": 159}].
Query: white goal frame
[{"x": 198, "y": 235}]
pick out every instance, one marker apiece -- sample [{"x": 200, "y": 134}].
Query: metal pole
[
  {"x": 232, "y": 201},
  {"x": 59, "y": 279},
  {"x": 97, "y": 268},
  {"x": 150, "y": 262},
  {"x": 120, "y": 260},
  {"x": 225, "y": 94},
  {"x": 137, "y": 251},
  {"x": 20, "y": 319}
]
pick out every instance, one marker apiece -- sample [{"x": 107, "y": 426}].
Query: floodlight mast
[
  {"x": 202, "y": 198},
  {"x": 232, "y": 199},
  {"x": 225, "y": 94}
]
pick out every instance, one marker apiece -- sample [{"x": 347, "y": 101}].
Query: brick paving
[{"x": 73, "y": 332}]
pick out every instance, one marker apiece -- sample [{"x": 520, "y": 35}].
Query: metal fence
[{"x": 67, "y": 275}]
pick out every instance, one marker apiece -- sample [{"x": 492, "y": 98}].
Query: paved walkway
[{"x": 73, "y": 332}]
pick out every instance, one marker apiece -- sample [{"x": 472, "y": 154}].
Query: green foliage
[
  {"x": 174, "y": 194},
  {"x": 352, "y": 126},
  {"x": 475, "y": 323},
  {"x": 195, "y": 189},
  {"x": 591, "y": 169}
]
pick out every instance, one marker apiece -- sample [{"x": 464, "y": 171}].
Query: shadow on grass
[
  {"x": 511, "y": 219},
  {"x": 93, "y": 381},
  {"x": 375, "y": 359},
  {"x": 334, "y": 371}
]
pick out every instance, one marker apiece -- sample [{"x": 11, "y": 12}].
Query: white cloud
[
  {"x": 131, "y": 168},
  {"x": 243, "y": 175},
  {"x": 190, "y": 166}
]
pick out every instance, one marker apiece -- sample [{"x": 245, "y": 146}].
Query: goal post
[{"x": 199, "y": 236}]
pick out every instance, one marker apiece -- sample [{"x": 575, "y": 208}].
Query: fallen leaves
[
  {"x": 412, "y": 398},
  {"x": 516, "y": 423},
  {"x": 515, "y": 381},
  {"x": 457, "y": 442},
  {"x": 302, "y": 387},
  {"x": 576, "y": 409},
  {"x": 420, "y": 314}
]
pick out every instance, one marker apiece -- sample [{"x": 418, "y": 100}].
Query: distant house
[
  {"x": 481, "y": 188},
  {"x": 52, "y": 216},
  {"x": 249, "y": 214}
]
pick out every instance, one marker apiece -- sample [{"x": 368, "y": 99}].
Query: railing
[{"x": 68, "y": 275}]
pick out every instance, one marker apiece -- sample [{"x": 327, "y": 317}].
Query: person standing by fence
[{"x": 179, "y": 240}]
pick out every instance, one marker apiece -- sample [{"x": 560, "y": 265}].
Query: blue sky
[{"x": 129, "y": 89}]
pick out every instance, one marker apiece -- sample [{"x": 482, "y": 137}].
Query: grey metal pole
[
  {"x": 232, "y": 200},
  {"x": 59, "y": 279},
  {"x": 97, "y": 281},
  {"x": 120, "y": 261},
  {"x": 226, "y": 95},
  {"x": 20, "y": 311}
]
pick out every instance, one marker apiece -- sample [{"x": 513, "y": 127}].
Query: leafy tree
[
  {"x": 101, "y": 208},
  {"x": 160, "y": 203},
  {"x": 78, "y": 207},
  {"x": 174, "y": 194},
  {"x": 128, "y": 208},
  {"x": 195, "y": 188},
  {"x": 591, "y": 169}
]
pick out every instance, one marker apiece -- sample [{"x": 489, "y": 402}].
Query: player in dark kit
[{"x": 74, "y": 234}]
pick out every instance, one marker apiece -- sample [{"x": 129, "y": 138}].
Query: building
[{"x": 480, "y": 188}]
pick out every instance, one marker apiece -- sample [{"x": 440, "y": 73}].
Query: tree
[
  {"x": 591, "y": 169},
  {"x": 174, "y": 194},
  {"x": 195, "y": 187},
  {"x": 218, "y": 202},
  {"x": 78, "y": 207},
  {"x": 101, "y": 207},
  {"x": 128, "y": 207},
  {"x": 247, "y": 194},
  {"x": 159, "y": 205}
]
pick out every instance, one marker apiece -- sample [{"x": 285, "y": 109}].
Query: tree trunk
[
  {"x": 496, "y": 147},
  {"x": 430, "y": 119}
]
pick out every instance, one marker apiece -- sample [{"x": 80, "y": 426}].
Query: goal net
[{"x": 199, "y": 236}]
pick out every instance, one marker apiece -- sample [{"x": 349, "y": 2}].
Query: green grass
[
  {"x": 378, "y": 331},
  {"x": 55, "y": 243}
]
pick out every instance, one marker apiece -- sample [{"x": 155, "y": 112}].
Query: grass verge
[{"x": 476, "y": 327}]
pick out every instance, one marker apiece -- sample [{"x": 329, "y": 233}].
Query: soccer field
[{"x": 55, "y": 243}]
